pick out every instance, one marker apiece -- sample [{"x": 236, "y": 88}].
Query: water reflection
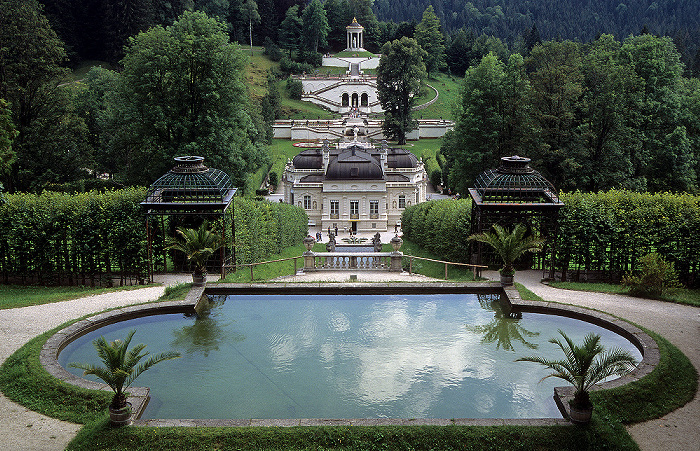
[
  {"x": 503, "y": 329},
  {"x": 206, "y": 333}
]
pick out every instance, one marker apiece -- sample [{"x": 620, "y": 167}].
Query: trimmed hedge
[
  {"x": 433, "y": 169},
  {"x": 254, "y": 181},
  {"x": 265, "y": 228},
  {"x": 57, "y": 238},
  {"x": 610, "y": 231},
  {"x": 606, "y": 232},
  {"x": 441, "y": 226}
]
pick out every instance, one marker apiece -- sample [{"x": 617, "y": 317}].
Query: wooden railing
[
  {"x": 353, "y": 261},
  {"x": 475, "y": 268}
]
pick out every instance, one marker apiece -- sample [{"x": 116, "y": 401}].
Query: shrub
[
  {"x": 656, "y": 276},
  {"x": 294, "y": 88},
  {"x": 273, "y": 178}
]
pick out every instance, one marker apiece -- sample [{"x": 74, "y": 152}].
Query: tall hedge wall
[
  {"x": 63, "y": 238},
  {"x": 265, "y": 228},
  {"x": 605, "y": 232},
  {"x": 611, "y": 230},
  {"x": 91, "y": 238},
  {"x": 441, "y": 226}
]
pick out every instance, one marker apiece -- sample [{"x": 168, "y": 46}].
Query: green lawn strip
[
  {"x": 672, "y": 384},
  {"x": 99, "y": 436},
  {"x": 526, "y": 294},
  {"x": 25, "y": 381},
  {"x": 15, "y": 296},
  {"x": 269, "y": 271},
  {"x": 679, "y": 296},
  {"x": 432, "y": 269},
  {"x": 448, "y": 88}
]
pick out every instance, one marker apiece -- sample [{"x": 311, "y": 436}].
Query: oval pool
[{"x": 348, "y": 356}]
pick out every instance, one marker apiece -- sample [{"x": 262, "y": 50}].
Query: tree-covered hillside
[{"x": 569, "y": 19}]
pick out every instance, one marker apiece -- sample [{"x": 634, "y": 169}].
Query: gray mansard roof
[{"x": 354, "y": 163}]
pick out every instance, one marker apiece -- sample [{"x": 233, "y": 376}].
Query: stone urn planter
[
  {"x": 580, "y": 415},
  {"x": 507, "y": 278},
  {"x": 120, "y": 416},
  {"x": 199, "y": 280}
]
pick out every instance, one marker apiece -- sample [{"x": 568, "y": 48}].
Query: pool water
[{"x": 348, "y": 356}]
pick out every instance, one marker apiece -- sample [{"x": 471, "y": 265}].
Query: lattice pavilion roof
[
  {"x": 190, "y": 188},
  {"x": 514, "y": 185}
]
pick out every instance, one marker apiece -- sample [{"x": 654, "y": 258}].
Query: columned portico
[{"x": 354, "y": 37}]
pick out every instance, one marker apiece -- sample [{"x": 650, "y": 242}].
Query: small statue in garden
[
  {"x": 330, "y": 246},
  {"x": 377, "y": 242}
]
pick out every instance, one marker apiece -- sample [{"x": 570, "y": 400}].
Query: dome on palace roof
[
  {"x": 401, "y": 158},
  {"x": 309, "y": 159},
  {"x": 354, "y": 164}
]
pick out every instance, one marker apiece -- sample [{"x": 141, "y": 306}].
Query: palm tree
[
  {"x": 585, "y": 366},
  {"x": 509, "y": 245},
  {"x": 120, "y": 370},
  {"x": 197, "y": 244}
]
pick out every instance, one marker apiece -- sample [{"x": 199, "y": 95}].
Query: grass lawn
[
  {"x": 679, "y": 296},
  {"x": 14, "y": 296},
  {"x": 448, "y": 87}
]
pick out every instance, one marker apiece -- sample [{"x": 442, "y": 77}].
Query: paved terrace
[{"x": 23, "y": 429}]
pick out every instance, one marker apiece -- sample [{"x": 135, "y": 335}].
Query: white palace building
[
  {"x": 346, "y": 182},
  {"x": 353, "y": 185}
]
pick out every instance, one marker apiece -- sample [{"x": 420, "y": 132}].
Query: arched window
[
  {"x": 364, "y": 99},
  {"x": 345, "y": 100},
  {"x": 354, "y": 99}
]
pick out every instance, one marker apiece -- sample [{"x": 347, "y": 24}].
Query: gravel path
[
  {"x": 680, "y": 430},
  {"x": 23, "y": 429}
]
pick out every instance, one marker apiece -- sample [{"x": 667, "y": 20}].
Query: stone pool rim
[{"x": 139, "y": 396}]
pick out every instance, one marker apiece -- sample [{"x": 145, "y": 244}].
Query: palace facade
[{"x": 353, "y": 185}]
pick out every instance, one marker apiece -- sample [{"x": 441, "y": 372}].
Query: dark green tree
[
  {"x": 663, "y": 157},
  {"x": 50, "y": 144},
  {"x": 494, "y": 120},
  {"x": 8, "y": 133},
  {"x": 91, "y": 105},
  {"x": 431, "y": 39},
  {"x": 181, "y": 93},
  {"x": 557, "y": 83},
  {"x": 399, "y": 76},
  {"x": 290, "y": 30},
  {"x": 610, "y": 113},
  {"x": 315, "y": 26}
]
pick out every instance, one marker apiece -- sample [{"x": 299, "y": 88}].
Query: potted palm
[
  {"x": 120, "y": 370},
  {"x": 509, "y": 246},
  {"x": 583, "y": 367},
  {"x": 198, "y": 245}
]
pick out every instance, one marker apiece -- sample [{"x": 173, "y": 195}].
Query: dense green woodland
[
  {"x": 98, "y": 29},
  {"x": 607, "y": 113},
  {"x": 596, "y": 116}
]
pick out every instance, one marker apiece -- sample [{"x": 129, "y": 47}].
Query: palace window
[
  {"x": 402, "y": 201},
  {"x": 335, "y": 209},
  {"x": 307, "y": 202},
  {"x": 374, "y": 209},
  {"x": 354, "y": 209}
]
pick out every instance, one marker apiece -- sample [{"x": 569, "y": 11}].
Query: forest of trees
[
  {"x": 98, "y": 29},
  {"x": 593, "y": 112},
  {"x": 604, "y": 115}
]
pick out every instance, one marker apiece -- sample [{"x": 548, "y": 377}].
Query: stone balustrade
[{"x": 345, "y": 261}]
